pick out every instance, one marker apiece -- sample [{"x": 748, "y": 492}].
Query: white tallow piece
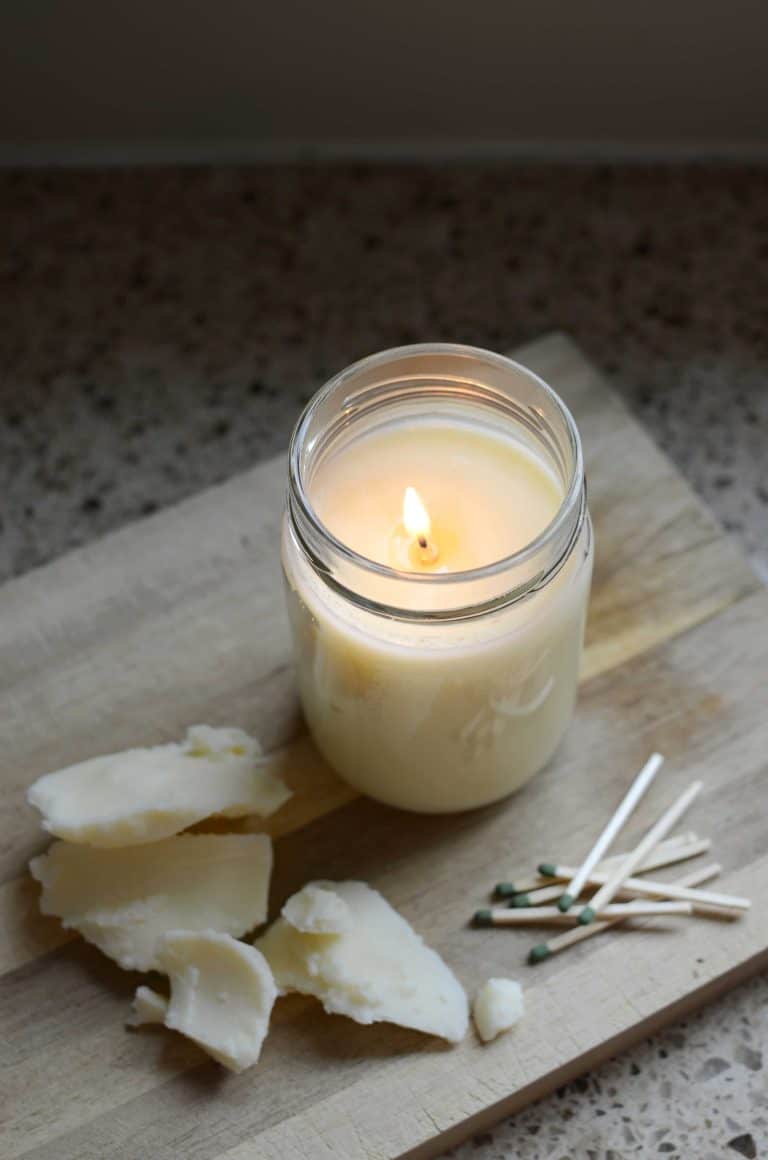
[
  {"x": 316, "y": 910},
  {"x": 123, "y": 900},
  {"x": 222, "y": 994},
  {"x": 142, "y": 795},
  {"x": 147, "y": 1007},
  {"x": 498, "y": 1005},
  {"x": 375, "y": 969}
]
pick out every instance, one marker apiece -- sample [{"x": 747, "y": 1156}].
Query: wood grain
[{"x": 180, "y": 619}]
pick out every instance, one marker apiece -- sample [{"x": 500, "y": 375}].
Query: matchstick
[
  {"x": 520, "y": 886},
  {"x": 570, "y": 937},
  {"x": 635, "y": 857},
  {"x": 505, "y": 916},
  {"x": 615, "y": 824},
  {"x": 658, "y": 858},
  {"x": 646, "y": 888},
  {"x": 666, "y": 854}
]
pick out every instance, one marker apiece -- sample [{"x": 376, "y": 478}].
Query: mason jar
[{"x": 427, "y": 687}]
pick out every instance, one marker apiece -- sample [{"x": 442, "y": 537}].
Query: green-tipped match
[
  {"x": 483, "y": 918},
  {"x": 565, "y": 902},
  {"x": 548, "y": 869},
  {"x": 539, "y": 953},
  {"x": 586, "y": 916},
  {"x": 519, "y": 901},
  {"x": 504, "y": 890}
]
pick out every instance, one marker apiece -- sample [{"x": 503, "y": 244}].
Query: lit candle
[{"x": 438, "y": 556}]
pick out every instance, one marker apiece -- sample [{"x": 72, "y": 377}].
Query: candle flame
[{"x": 415, "y": 516}]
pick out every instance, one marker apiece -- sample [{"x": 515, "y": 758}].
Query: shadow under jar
[{"x": 437, "y": 654}]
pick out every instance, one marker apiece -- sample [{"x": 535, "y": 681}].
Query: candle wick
[{"x": 427, "y": 550}]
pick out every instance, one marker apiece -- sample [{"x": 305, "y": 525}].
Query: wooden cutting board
[{"x": 179, "y": 619}]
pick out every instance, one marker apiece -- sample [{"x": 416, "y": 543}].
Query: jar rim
[
  {"x": 536, "y": 563},
  {"x": 571, "y": 499}
]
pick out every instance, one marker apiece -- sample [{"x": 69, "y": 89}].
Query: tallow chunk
[
  {"x": 222, "y": 994},
  {"x": 142, "y": 795},
  {"x": 123, "y": 900},
  {"x": 147, "y": 1007},
  {"x": 317, "y": 910},
  {"x": 498, "y": 1006},
  {"x": 378, "y": 969}
]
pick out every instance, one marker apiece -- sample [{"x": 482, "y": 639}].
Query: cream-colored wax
[
  {"x": 487, "y": 496},
  {"x": 437, "y": 716}
]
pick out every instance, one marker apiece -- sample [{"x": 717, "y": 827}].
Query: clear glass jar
[{"x": 437, "y": 691}]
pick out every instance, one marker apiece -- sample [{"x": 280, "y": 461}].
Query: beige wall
[{"x": 177, "y": 78}]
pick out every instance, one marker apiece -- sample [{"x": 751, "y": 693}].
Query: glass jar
[{"x": 437, "y": 691}]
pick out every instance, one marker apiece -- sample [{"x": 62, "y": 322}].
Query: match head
[
  {"x": 586, "y": 916},
  {"x": 483, "y": 918},
  {"x": 539, "y": 953},
  {"x": 504, "y": 890},
  {"x": 548, "y": 869},
  {"x": 520, "y": 901},
  {"x": 565, "y": 902}
]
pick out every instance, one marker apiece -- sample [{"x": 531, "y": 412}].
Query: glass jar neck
[{"x": 463, "y": 385}]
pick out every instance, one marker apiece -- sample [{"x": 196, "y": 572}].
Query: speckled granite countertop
[{"x": 161, "y": 329}]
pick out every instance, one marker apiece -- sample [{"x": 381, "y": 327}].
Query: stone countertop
[{"x": 162, "y": 328}]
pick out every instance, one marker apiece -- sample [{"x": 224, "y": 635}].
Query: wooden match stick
[
  {"x": 646, "y": 888},
  {"x": 635, "y": 857},
  {"x": 536, "y": 881},
  {"x": 627, "y": 805},
  {"x": 504, "y": 916},
  {"x": 666, "y": 854},
  {"x": 562, "y": 941}
]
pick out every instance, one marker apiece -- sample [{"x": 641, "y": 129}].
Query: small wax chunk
[
  {"x": 222, "y": 994},
  {"x": 123, "y": 900},
  {"x": 498, "y": 1006},
  {"x": 316, "y": 909},
  {"x": 147, "y": 1007},
  {"x": 142, "y": 795},
  {"x": 376, "y": 969}
]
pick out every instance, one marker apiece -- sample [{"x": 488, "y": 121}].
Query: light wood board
[{"x": 179, "y": 619}]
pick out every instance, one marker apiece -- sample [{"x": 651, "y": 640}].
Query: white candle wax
[
  {"x": 438, "y": 639},
  {"x": 486, "y": 496}
]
